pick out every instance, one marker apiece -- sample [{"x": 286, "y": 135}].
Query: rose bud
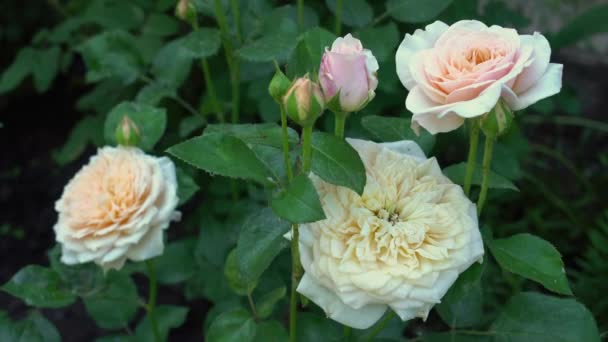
[
  {"x": 348, "y": 72},
  {"x": 127, "y": 133},
  {"x": 497, "y": 121},
  {"x": 186, "y": 11},
  {"x": 304, "y": 101},
  {"x": 279, "y": 85}
]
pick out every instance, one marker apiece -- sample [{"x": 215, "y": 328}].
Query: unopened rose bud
[
  {"x": 304, "y": 101},
  {"x": 127, "y": 133},
  {"x": 279, "y": 85},
  {"x": 186, "y": 11},
  {"x": 497, "y": 121},
  {"x": 348, "y": 75}
]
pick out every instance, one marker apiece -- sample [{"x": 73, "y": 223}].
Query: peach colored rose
[
  {"x": 116, "y": 208},
  {"x": 461, "y": 71}
]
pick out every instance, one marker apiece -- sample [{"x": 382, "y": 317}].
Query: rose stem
[
  {"x": 340, "y": 120},
  {"x": 380, "y": 325},
  {"x": 295, "y": 266},
  {"x": 252, "y": 305},
  {"x": 307, "y": 149},
  {"x": 209, "y": 83},
  {"x": 487, "y": 160},
  {"x": 285, "y": 143},
  {"x": 152, "y": 299},
  {"x": 233, "y": 65},
  {"x": 472, "y": 158},
  {"x": 338, "y": 17},
  {"x": 301, "y": 14}
]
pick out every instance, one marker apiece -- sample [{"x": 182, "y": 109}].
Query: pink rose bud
[
  {"x": 304, "y": 101},
  {"x": 127, "y": 133},
  {"x": 186, "y": 10},
  {"x": 350, "y": 71}
]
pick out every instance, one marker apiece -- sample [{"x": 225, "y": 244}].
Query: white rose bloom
[
  {"x": 116, "y": 208},
  {"x": 402, "y": 244}
]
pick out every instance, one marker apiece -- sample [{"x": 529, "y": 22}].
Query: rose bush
[
  {"x": 401, "y": 244},
  {"x": 461, "y": 71},
  {"x": 116, "y": 208}
]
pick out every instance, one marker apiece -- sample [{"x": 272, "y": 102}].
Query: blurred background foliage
[{"x": 67, "y": 64}]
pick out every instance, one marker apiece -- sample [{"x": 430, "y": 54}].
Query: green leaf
[
  {"x": 260, "y": 241},
  {"x": 172, "y": 64},
  {"x": 274, "y": 46},
  {"x": 383, "y": 49},
  {"x": 186, "y": 186},
  {"x": 336, "y": 162},
  {"x": 308, "y": 53},
  {"x": 237, "y": 281},
  {"x": 413, "y": 11},
  {"x": 533, "y": 258},
  {"x": 112, "y": 54},
  {"x": 224, "y": 155},
  {"x": 202, "y": 43},
  {"x": 114, "y": 306},
  {"x": 45, "y": 67},
  {"x": 82, "y": 279},
  {"x": 34, "y": 328},
  {"x": 532, "y": 316},
  {"x": 161, "y": 25},
  {"x": 153, "y": 93},
  {"x": 586, "y": 24},
  {"x": 299, "y": 202},
  {"x": 462, "y": 304},
  {"x": 266, "y": 304},
  {"x": 456, "y": 174},
  {"x": 40, "y": 287},
  {"x": 232, "y": 326},
  {"x": 214, "y": 242},
  {"x": 19, "y": 70},
  {"x": 315, "y": 328},
  {"x": 268, "y": 134},
  {"x": 387, "y": 129},
  {"x": 151, "y": 122},
  {"x": 86, "y": 130},
  {"x": 355, "y": 13},
  {"x": 270, "y": 331},
  {"x": 167, "y": 316},
  {"x": 456, "y": 336},
  {"x": 177, "y": 262}
]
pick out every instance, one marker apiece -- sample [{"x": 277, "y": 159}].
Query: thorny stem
[
  {"x": 285, "y": 143},
  {"x": 472, "y": 158},
  {"x": 152, "y": 299},
  {"x": 487, "y": 160}
]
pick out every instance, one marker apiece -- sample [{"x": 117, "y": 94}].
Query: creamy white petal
[
  {"x": 335, "y": 309},
  {"x": 548, "y": 85}
]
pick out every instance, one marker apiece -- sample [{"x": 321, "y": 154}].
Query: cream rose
[
  {"x": 461, "y": 71},
  {"x": 401, "y": 244},
  {"x": 116, "y": 208}
]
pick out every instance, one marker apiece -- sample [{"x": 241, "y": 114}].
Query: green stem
[
  {"x": 233, "y": 65},
  {"x": 252, "y": 305},
  {"x": 338, "y": 17},
  {"x": 301, "y": 14},
  {"x": 347, "y": 331},
  {"x": 340, "y": 121},
  {"x": 306, "y": 149},
  {"x": 211, "y": 90},
  {"x": 485, "y": 168},
  {"x": 472, "y": 158},
  {"x": 380, "y": 325},
  {"x": 234, "y": 4},
  {"x": 295, "y": 276},
  {"x": 285, "y": 143},
  {"x": 152, "y": 299}
]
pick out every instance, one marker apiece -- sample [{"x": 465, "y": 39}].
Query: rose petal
[
  {"x": 540, "y": 61},
  {"x": 411, "y": 44},
  {"x": 549, "y": 84},
  {"x": 335, "y": 309}
]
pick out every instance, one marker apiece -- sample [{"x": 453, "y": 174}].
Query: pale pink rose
[
  {"x": 461, "y": 71},
  {"x": 350, "y": 69},
  {"x": 116, "y": 208}
]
